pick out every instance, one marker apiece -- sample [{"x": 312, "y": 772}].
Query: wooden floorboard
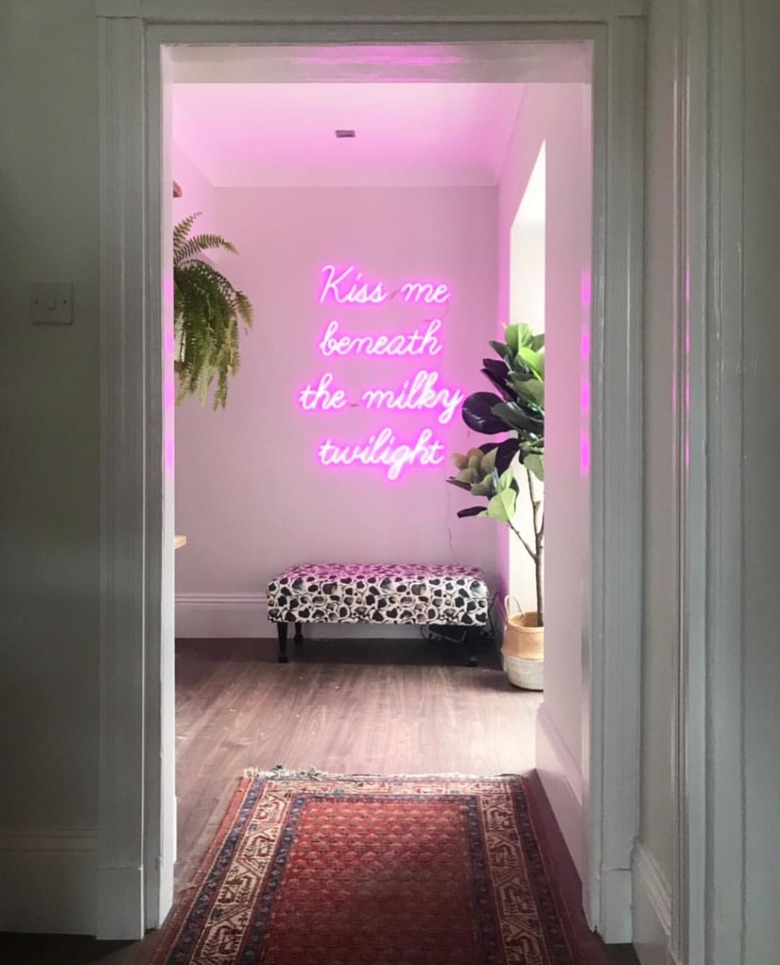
[{"x": 345, "y": 707}]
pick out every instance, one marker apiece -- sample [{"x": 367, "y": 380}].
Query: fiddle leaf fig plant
[
  {"x": 489, "y": 470},
  {"x": 207, "y": 312}
]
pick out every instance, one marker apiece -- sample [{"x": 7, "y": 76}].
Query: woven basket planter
[{"x": 523, "y": 648}]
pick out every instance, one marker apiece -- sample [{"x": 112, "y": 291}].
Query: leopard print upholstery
[{"x": 379, "y": 593}]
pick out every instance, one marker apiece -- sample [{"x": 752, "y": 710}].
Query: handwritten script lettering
[
  {"x": 383, "y": 449},
  {"x": 419, "y": 392},
  {"x": 348, "y": 286},
  {"x": 415, "y": 343}
]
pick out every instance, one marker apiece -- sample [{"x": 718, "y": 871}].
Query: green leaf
[
  {"x": 489, "y": 461},
  {"x": 502, "y": 505},
  {"x": 517, "y": 418},
  {"x": 485, "y": 487},
  {"x": 535, "y": 464},
  {"x": 502, "y": 351},
  {"x": 512, "y": 337},
  {"x": 530, "y": 390},
  {"x": 534, "y": 360},
  {"x": 519, "y": 335}
]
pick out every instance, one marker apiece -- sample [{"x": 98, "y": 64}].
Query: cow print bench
[{"x": 425, "y": 594}]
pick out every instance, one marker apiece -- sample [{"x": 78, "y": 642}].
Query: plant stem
[
  {"x": 519, "y": 535},
  {"x": 537, "y": 555}
]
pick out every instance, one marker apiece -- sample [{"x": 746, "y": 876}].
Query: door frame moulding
[
  {"x": 133, "y": 35},
  {"x": 709, "y": 887}
]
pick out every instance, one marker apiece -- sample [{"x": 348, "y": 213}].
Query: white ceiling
[
  {"x": 426, "y": 114},
  {"x": 272, "y": 134}
]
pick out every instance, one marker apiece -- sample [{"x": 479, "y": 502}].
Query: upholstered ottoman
[{"x": 441, "y": 594}]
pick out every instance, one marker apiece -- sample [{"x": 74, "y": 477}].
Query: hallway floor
[{"x": 383, "y": 707}]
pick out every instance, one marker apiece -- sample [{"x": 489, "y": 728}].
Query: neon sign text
[
  {"x": 383, "y": 449},
  {"x": 420, "y": 393},
  {"x": 321, "y": 397},
  {"x": 414, "y": 395},
  {"x": 349, "y": 287},
  {"x": 414, "y": 343}
]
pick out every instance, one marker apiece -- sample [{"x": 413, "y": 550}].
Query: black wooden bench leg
[
  {"x": 471, "y": 641},
  {"x": 298, "y": 638},
  {"x": 281, "y": 632}
]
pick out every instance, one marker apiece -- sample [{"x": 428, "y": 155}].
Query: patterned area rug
[{"x": 323, "y": 870}]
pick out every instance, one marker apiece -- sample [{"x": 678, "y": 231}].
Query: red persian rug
[{"x": 323, "y": 870}]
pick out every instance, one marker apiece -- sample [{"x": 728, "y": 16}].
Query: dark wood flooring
[{"x": 381, "y": 707}]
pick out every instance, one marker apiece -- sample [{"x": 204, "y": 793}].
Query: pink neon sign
[
  {"x": 348, "y": 286},
  {"x": 420, "y": 392},
  {"x": 397, "y": 345},
  {"x": 416, "y": 394},
  {"x": 383, "y": 449}
]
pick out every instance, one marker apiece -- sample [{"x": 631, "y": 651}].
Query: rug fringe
[{"x": 280, "y": 772}]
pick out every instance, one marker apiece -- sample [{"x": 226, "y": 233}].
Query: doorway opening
[
  {"x": 137, "y": 799},
  {"x": 443, "y": 179}
]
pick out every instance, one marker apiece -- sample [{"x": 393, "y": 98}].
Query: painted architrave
[
  {"x": 247, "y": 12},
  {"x": 612, "y": 665},
  {"x": 132, "y": 464},
  {"x": 708, "y": 891},
  {"x": 123, "y": 483}
]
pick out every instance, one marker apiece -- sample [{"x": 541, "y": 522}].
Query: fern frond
[
  {"x": 207, "y": 310},
  {"x": 200, "y": 243},
  {"x": 181, "y": 231}
]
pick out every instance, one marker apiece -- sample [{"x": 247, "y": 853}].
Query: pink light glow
[
  {"x": 170, "y": 454},
  {"x": 585, "y": 396},
  {"x": 383, "y": 449},
  {"x": 586, "y": 290},
  {"x": 585, "y": 345},
  {"x": 416, "y": 394},
  {"x": 584, "y": 453},
  {"x": 348, "y": 286},
  {"x": 394, "y": 345},
  {"x": 169, "y": 389},
  {"x": 585, "y": 389}
]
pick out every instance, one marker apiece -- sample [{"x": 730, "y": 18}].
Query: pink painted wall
[
  {"x": 197, "y": 192},
  {"x": 251, "y": 495},
  {"x": 559, "y": 115}
]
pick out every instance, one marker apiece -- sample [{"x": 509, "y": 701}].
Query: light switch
[{"x": 51, "y": 304}]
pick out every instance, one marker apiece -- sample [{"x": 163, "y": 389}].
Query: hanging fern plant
[{"x": 207, "y": 312}]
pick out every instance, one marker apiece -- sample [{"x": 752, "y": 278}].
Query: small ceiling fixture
[{"x": 345, "y": 132}]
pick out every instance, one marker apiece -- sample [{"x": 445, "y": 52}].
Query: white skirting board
[
  {"x": 48, "y": 881},
  {"x": 652, "y": 910},
  {"x": 561, "y": 777},
  {"x": 218, "y": 616}
]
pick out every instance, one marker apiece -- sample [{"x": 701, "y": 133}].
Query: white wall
[
  {"x": 49, "y": 501},
  {"x": 761, "y": 481},
  {"x": 559, "y": 116},
  {"x": 252, "y": 497},
  {"x": 197, "y": 195}
]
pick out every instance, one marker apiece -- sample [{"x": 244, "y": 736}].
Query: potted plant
[
  {"x": 207, "y": 310},
  {"x": 491, "y": 472}
]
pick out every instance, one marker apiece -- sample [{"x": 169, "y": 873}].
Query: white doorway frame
[{"x": 134, "y": 889}]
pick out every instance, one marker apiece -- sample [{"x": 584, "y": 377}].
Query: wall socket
[{"x": 51, "y": 303}]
